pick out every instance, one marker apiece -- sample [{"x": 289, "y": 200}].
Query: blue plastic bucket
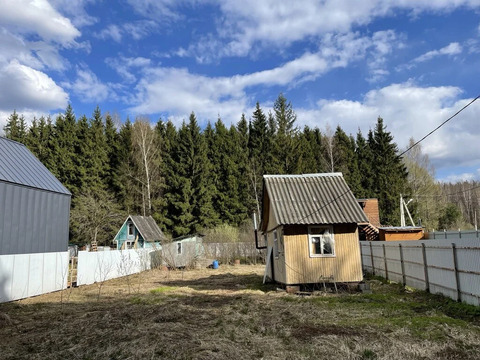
[{"x": 215, "y": 264}]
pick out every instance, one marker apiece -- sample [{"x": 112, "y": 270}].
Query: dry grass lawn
[{"x": 228, "y": 314}]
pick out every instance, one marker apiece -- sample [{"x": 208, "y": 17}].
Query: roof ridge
[{"x": 269, "y": 176}]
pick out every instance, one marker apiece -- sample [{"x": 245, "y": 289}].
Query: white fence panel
[
  {"x": 105, "y": 265},
  {"x": 25, "y": 275}
]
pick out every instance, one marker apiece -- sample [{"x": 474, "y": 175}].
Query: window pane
[
  {"x": 316, "y": 245},
  {"x": 327, "y": 246}
]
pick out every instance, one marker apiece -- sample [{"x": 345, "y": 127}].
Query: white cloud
[
  {"x": 451, "y": 49},
  {"x": 159, "y": 10},
  {"x": 160, "y": 88},
  {"x": 125, "y": 66},
  {"x": 246, "y": 26},
  {"x": 110, "y": 32},
  {"x": 89, "y": 88},
  {"x": 29, "y": 89},
  {"x": 38, "y": 17},
  {"x": 409, "y": 111},
  {"x": 76, "y": 11}
]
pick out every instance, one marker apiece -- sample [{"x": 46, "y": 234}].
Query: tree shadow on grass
[{"x": 230, "y": 282}]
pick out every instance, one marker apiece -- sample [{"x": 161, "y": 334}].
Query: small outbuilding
[
  {"x": 34, "y": 205},
  {"x": 310, "y": 224},
  {"x": 139, "y": 232},
  {"x": 400, "y": 233},
  {"x": 184, "y": 251}
]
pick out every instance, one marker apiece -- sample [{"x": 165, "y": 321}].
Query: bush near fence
[
  {"x": 438, "y": 266},
  {"x": 228, "y": 252}
]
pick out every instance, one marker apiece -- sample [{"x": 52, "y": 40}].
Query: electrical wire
[{"x": 439, "y": 126}]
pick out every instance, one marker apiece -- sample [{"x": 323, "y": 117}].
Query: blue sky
[{"x": 340, "y": 62}]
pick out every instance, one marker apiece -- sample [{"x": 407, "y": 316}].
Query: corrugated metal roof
[
  {"x": 149, "y": 229},
  {"x": 312, "y": 199},
  {"x": 19, "y": 166}
]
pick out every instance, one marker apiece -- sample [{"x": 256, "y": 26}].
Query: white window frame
[
  {"x": 315, "y": 235},
  {"x": 132, "y": 227}
]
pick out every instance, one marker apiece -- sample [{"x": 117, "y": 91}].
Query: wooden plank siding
[{"x": 300, "y": 268}]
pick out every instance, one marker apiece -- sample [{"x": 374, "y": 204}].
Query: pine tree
[
  {"x": 365, "y": 160},
  {"x": 389, "y": 173},
  {"x": 113, "y": 150},
  {"x": 16, "y": 128},
  {"x": 347, "y": 161},
  {"x": 285, "y": 141},
  {"x": 259, "y": 152},
  {"x": 64, "y": 140},
  {"x": 122, "y": 180}
]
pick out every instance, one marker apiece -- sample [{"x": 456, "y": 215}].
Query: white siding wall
[{"x": 26, "y": 275}]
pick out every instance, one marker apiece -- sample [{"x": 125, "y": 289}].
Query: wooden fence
[{"x": 438, "y": 266}]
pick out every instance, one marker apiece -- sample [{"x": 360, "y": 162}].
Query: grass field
[{"x": 228, "y": 314}]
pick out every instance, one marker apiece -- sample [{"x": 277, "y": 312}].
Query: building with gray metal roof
[
  {"x": 310, "y": 225},
  {"x": 139, "y": 231},
  {"x": 34, "y": 205},
  {"x": 310, "y": 199}
]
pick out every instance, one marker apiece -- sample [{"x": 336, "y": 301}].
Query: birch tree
[{"x": 146, "y": 157}]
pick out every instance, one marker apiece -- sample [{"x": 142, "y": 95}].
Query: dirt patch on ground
[{"x": 227, "y": 313}]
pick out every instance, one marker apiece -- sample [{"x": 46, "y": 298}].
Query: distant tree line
[{"x": 191, "y": 179}]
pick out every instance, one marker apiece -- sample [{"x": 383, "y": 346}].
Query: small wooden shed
[
  {"x": 310, "y": 224},
  {"x": 184, "y": 251},
  {"x": 139, "y": 232},
  {"x": 400, "y": 233}
]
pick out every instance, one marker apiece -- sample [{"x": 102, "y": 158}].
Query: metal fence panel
[
  {"x": 25, "y": 275},
  {"x": 100, "y": 266},
  {"x": 440, "y": 266}
]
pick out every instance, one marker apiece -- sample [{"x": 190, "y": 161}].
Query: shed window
[
  {"x": 130, "y": 229},
  {"x": 321, "y": 241},
  {"x": 179, "y": 248}
]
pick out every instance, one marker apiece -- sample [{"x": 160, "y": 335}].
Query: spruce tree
[
  {"x": 389, "y": 174},
  {"x": 16, "y": 128},
  {"x": 285, "y": 140},
  {"x": 365, "y": 160},
  {"x": 347, "y": 161}
]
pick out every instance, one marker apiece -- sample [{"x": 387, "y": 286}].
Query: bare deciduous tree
[{"x": 146, "y": 158}]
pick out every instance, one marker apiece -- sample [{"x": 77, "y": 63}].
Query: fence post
[
  {"x": 402, "y": 264},
  {"x": 371, "y": 257},
  {"x": 425, "y": 267},
  {"x": 385, "y": 261},
  {"x": 455, "y": 269}
]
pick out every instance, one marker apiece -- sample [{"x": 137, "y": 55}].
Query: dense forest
[{"x": 191, "y": 179}]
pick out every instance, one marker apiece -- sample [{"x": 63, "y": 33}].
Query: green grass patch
[{"x": 163, "y": 289}]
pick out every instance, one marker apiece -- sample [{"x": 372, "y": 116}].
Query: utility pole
[
  {"x": 402, "y": 213},
  {"x": 403, "y": 207}
]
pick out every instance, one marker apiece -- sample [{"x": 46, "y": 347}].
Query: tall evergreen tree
[
  {"x": 389, "y": 173},
  {"x": 285, "y": 141},
  {"x": 347, "y": 162},
  {"x": 65, "y": 138},
  {"x": 16, "y": 128},
  {"x": 364, "y": 157}
]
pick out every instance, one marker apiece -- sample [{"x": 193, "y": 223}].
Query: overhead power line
[
  {"x": 439, "y": 126},
  {"x": 415, "y": 144}
]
